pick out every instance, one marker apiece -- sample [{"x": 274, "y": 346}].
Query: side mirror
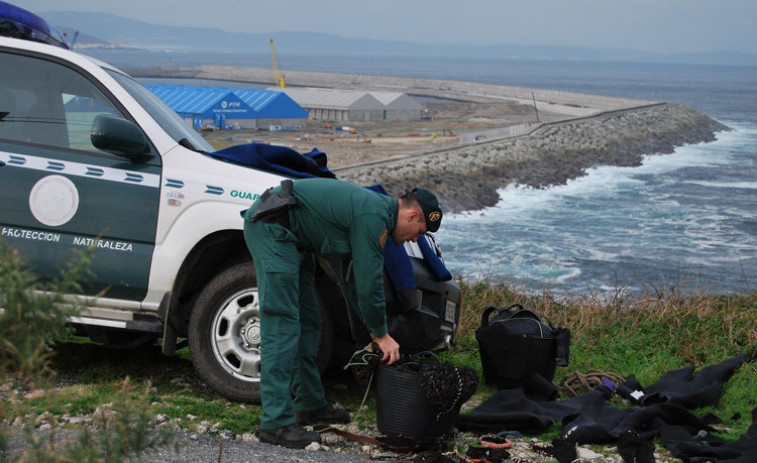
[{"x": 118, "y": 136}]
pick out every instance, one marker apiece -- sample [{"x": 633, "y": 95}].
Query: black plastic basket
[{"x": 402, "y": 408}]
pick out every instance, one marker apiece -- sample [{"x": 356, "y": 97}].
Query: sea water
[{"x": 686, "y": 220}]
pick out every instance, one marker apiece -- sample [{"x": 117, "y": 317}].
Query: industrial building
[
  {"x": 226, "y": 108},
  {"x": 351, "y": 105},
  {"x": 399, "y": 106}
]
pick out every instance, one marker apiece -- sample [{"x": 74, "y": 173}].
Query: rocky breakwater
[{"x": 467, "y": 178}]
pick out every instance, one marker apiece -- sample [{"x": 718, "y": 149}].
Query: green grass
[
  {"x": 645, "y": 335},
  {"x": 641, "y": 335}
]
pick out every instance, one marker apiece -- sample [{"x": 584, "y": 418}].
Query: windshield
[{"x": 163, "y": 115}]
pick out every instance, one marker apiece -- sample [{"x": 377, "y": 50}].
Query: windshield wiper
[{"x": 188, "y": 144}]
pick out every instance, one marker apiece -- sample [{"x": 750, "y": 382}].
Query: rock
[
  {"x": 159, "y": 418},
  {"x": 585, "y": 454},
  {"x": 329, "y": 438},
  {"x": 35, "y": 394},
  {"x": 203, "y": 427},
  {"x": 468, "y": 178},
  {"x": 226, "y": 434},
  {"x": 313, "y": 447}
]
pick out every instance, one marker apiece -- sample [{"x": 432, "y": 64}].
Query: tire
[{"x": 224, "y": 334}]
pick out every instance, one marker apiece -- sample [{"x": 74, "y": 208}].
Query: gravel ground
[
  {"x": 191, "y": 447},
  {"x": 204, "y": 449},
  {"x": 198, "y": 448},
  {"x": 195, "y": 448}
]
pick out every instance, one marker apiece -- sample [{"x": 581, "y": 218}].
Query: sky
[{"x": 662, "y": 26}]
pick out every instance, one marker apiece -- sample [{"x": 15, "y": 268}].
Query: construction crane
[{"x": 277, "y": 75}]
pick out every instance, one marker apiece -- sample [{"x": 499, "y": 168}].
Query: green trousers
[{"x": 290, "y": 324}]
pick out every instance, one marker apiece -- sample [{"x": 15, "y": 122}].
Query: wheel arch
[
  {"x": 222, "y": 250},
  {"x": 213, "y": 254}
]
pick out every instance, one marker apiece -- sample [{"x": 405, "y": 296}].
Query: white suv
[{"x": 91, "y": 158}]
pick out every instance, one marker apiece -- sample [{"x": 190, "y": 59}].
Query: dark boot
[
  {"x": 563, "y": 451},
  {"x": 326, "y": 415},
  {"x": 292, "y": 436},
  {"x": 633, "y": 449},
  {"x": 628, "y": 445},
  {"x": 645, "y": 453}
]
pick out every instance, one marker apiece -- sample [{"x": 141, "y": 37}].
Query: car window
[{"x": 43, "y": 102}]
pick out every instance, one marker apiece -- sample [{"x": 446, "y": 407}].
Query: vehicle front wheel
[{"x": 224, "y": 334}]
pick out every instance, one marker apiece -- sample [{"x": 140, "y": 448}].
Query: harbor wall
[{"x": 468, "y": 178}]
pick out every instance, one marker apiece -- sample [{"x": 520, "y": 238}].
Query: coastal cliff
[{"x": 467, "y": 178}]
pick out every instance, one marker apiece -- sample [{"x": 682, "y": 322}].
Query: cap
[{"x": 431, "y": 210}]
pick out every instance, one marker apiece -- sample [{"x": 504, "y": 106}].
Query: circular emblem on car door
[{"x": 54, "y": 200}]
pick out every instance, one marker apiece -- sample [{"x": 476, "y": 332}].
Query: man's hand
[{"x": 389, "y": 347}]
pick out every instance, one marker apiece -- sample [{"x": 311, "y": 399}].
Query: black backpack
[{"x": 517, "y": 342}]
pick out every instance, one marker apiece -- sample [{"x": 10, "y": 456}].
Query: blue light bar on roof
[{"x": 22, "y": 24}]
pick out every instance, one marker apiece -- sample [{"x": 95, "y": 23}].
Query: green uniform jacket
[{"x": 337, "y": 219}]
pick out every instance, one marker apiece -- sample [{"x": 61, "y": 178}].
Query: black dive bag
[{"x": 516, "y": 343}]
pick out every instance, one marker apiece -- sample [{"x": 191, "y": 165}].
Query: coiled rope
[{"x": 577, "y": 383}]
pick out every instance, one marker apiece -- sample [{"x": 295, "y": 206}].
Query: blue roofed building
[
  {"x": 228, "y": 108},
  {"x": 274, "y": 108}
]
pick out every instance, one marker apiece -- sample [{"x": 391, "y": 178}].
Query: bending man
[{"x": 286, "y": 231}]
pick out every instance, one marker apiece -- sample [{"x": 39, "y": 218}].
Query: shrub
[
  {"x": 33, "y": 318},
  {"x": 34, "y": 312}
]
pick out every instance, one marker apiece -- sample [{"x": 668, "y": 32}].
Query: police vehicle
[{"x": 89, "y": 158}]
